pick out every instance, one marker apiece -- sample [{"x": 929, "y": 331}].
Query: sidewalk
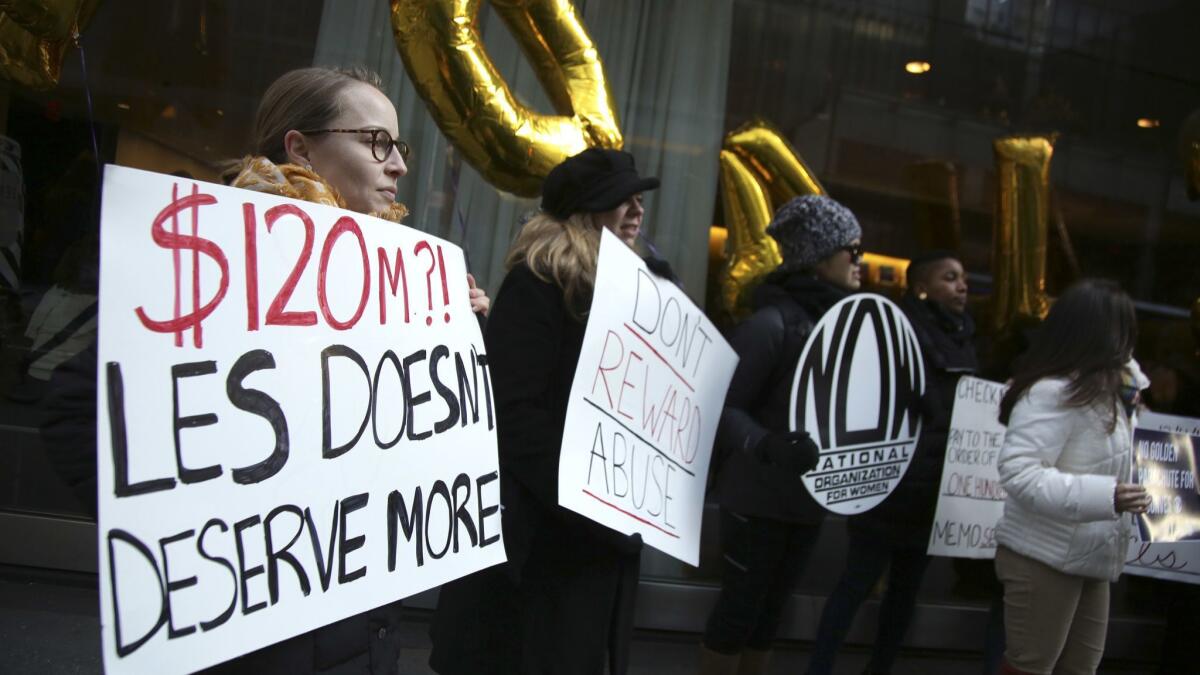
[{"x": 54, "y": 629}]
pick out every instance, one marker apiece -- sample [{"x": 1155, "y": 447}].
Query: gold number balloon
[
  {"x": 752, "y": 252},
  {"x": 512, "y": 146},
  {"x": 774, "y": 161},
  {"x": 760, "y": 171},
  {"x": 1019, "y": 232},
  {"x": 34, "y": 37}
]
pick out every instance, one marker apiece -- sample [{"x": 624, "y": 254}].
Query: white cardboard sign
[
  {"x": 857, "y": 390},
  {"x": 645, "y": 402},
  {"x": 970, "y": 499},
  {"x": 295, "y": 420}
]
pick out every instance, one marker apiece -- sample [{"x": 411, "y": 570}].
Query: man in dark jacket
[{"x": 769, "y": 523}]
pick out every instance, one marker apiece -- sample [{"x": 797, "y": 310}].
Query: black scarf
[
  {"x": 945, "y": 336},
  {"x": 814, "y": 296}
]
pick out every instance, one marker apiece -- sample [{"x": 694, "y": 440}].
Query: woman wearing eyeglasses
[
  {"x": 769, "y": 523},
  {"x": 330, "y": 136}
]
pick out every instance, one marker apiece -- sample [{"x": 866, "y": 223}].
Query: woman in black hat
[{"x": 564, "y": 601}]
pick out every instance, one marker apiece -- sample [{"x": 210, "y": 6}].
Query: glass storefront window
[{"x": 893, "y": 103}]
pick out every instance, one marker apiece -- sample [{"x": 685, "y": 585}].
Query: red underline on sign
[
  {"x": 660, "y": 357},
  {"x": 631, "y": 515}
]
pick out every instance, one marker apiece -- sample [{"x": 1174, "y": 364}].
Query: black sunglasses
[
  {"x": 855, "y": 251},
  {"x": 381, "y": 141}
]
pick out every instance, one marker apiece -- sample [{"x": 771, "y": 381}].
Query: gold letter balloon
[
  {"x": 1019, "y": 231},
  {"x": 512, "y": 146},
  {"x": 760, "y": 171},
  {"x": 34, "y": 36}
]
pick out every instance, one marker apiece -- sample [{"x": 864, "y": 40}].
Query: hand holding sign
[{"x": 1130, "y": 498}]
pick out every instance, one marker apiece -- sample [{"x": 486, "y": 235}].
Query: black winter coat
[
  {"x": 946, "y": 340},
  {"x": 787, "y": 306},
  {"x": 533, "y": 346}
]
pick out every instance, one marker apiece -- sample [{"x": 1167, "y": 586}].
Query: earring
[
  {"x": 922, "y": 295},
  {"x": 308, "y": 167}
]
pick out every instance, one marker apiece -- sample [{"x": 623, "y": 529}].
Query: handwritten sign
[
  {"x": 1164, "y": 545},
  {"x": 644, "y": 407},
  {"x": 970, "y": 499},
  {"x": 857, "y": 390},
  {"x": 295, "y": 420}
]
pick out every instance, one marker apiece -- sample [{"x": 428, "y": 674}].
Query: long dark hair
[{"x": 1087, "y": 338}]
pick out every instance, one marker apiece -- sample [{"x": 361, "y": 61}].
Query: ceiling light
[
  {"x": 917, "y": 67},
  {"x": 1148, "y": 123},
  {"x": 123, "y": 106}
]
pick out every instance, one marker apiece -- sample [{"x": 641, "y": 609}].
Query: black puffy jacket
[{"x": 769, "y": 343}]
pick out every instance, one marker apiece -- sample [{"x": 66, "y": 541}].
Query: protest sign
[
  {"x": 857, "y": 390},
  {"x": 295, "y": 420},
  {"x": 644, "y": 406},
  {"x": 1165, "y": 544},
  {"x": 1164, "y": 460},
  {"x": 970, "y": 499}
]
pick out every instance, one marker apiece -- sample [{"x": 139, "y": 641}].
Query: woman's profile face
[
  {"x": 842, "y": 269},
  {"x": 946, "y": 284},
  {"x": 625, "y": 221},
  {"x": 346, "y": 160}
]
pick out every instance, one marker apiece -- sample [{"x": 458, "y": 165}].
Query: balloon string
[{"x": 87, "y": 92}]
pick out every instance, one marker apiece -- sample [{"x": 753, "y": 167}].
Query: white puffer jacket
[{"x": 1060, "y": 467}]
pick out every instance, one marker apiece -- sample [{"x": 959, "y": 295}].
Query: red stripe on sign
[{"x": 631, "y": 515}]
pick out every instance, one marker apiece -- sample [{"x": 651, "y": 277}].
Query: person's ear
[{"x": 296, "y": 146}]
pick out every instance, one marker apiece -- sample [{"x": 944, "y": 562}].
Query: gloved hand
[{"x": 794, "y": 451}]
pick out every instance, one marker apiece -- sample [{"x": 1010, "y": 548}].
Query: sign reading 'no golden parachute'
[{"x": 857, "y": 391}]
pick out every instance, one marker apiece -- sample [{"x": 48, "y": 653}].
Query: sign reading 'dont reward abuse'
[
  {"x": 644, "y": 407},
  {"x": 857, "y": 390},
  {"x": 295, "y": 420},
  {"x": 971, "y": 501}
]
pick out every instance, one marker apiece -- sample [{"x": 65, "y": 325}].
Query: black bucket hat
[{"x": 593, "y": 181}]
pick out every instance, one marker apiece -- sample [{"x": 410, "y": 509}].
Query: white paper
[
  {"x": 644, "y": 406},
  {"x": 970, "y": 499},
  {"x": 347, "y": 304},
  {"x": 857, "y": 391}
]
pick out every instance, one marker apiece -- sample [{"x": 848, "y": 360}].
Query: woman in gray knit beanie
[
  {"x": 811, "y": 231},
  {"x": 769, "y": 522}
]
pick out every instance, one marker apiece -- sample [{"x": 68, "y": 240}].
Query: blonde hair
[{"x": 562, "y": 252}]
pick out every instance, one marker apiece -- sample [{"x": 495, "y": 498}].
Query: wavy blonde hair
[{"x": 562, "y": 252}]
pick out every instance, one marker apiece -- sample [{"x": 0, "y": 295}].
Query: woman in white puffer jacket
[{"x": 1065, "y": 466}]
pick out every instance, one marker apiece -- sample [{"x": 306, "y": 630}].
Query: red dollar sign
[{"x": 175, "y": 241}]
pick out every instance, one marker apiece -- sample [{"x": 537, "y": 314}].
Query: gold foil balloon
[
  {"x": 752, "y": 253},
  {"x": 50, "y": 19},
  {"x": 760, "y": 171},
  {"x": 512, "y": 146},
  {"x": 774, "y": 161},
  {"x": 1019, "y": 232},
  {"x": 34, "y": 37}
]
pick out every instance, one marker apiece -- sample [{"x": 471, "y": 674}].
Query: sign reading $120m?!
[{"x": 857, "y": 391}]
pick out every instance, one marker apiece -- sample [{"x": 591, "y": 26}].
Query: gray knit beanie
[{"x": 811, "y": 228}]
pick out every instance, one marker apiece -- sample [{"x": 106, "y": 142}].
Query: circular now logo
[{"x": 857, "y": 391}]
